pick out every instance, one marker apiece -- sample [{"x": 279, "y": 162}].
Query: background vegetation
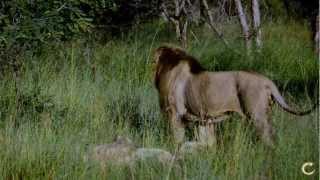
[{"x": 75, "y": 74}]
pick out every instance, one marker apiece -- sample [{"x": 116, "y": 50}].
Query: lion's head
[{"x": 167, "y": 57}]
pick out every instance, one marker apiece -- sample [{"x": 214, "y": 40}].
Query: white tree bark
[
  {"x": 256, "y": 22},
  {"x": 244, "y": 25}
]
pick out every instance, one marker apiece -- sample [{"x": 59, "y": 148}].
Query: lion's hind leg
[
  {"x": 261, "y": 121},
  {"x": 263, "y": 125}
]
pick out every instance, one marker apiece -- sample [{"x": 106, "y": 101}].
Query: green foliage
[
  {"x": 29, "y": 25},
  {"x": 275, "y": 8},
  {"x": 65, "y": 112},
  {"x": 43, "y": 21}
]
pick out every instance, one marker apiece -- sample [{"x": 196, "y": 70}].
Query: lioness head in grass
[{"x": 187, "y": 92}]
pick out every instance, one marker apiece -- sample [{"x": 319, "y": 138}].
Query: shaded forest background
[
  {"x": 29, "y": 25},
  {"x": 76, "y": 73}
]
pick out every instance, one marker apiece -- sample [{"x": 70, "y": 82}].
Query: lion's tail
[{"x": 282, "y": 103}]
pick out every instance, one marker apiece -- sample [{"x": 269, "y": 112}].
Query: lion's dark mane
[{"x": 171, "y": 57}]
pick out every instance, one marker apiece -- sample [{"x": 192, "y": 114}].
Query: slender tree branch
[{"x": 211, "y": 23}]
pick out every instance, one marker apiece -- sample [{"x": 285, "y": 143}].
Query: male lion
[{"x": 187, "y": 90}]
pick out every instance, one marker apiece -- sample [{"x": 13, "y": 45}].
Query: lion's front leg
[
  {"x": 178, "y": 129},
  {"x": 176, "y": 113},
  {"x": 177, "y": 126}
]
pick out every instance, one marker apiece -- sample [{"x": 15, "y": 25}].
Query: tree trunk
[
  {"x": 244, "y": 25},
  {"x": 256, "y": 23}
]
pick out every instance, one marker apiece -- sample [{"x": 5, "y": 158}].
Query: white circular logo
[{"x": 307, "y": 168}]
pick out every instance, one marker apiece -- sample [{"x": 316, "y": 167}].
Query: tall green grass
[{"x": 57, "y": 110}]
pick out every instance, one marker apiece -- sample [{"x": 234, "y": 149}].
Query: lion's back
[{"x": 214, "y": 92}]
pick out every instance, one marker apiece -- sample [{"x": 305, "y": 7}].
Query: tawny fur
[{"x": 186, "y": 90}]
